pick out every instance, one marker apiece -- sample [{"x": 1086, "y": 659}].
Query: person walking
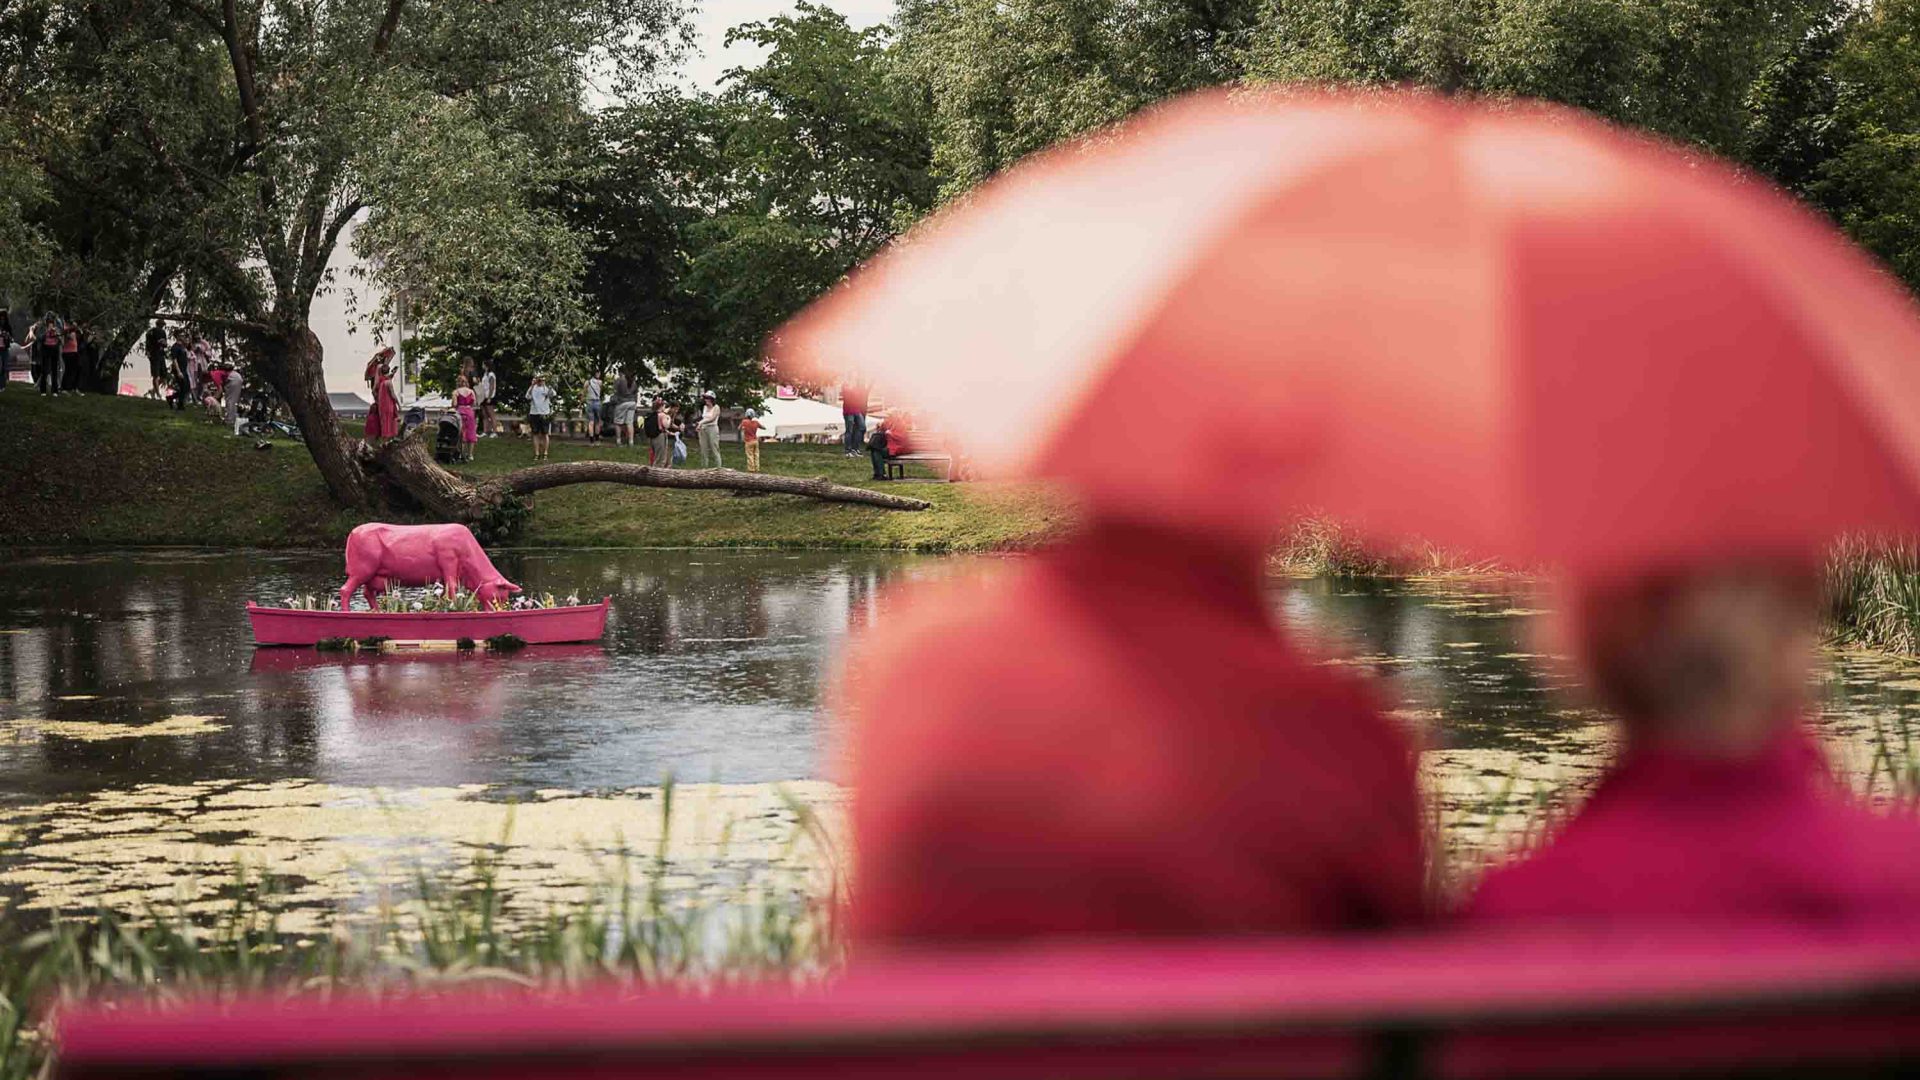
[
  {"x": 594, "y": 387},
  {"x": 853, "y": 417},
  {"x": 709, "y": 431},
  {"x": 750, "y": 440},
  {"x": 463, "y": 403},
  {"x": 657, "y": 429},
  {"x": 540, "y": 416},
  {"x": 156, "y": 345}
]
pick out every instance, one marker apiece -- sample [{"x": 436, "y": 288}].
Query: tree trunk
[
  {"x": 291, "y": 361},
  {"x": 408, "y": 465}
]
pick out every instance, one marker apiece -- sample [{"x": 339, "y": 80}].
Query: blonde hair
[{"x": 1699, "y": 647}]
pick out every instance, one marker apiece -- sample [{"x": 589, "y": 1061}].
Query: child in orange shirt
[{"x": 750, "y": 438}]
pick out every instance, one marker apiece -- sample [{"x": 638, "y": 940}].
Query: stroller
[{"x": 446, "y": 443}]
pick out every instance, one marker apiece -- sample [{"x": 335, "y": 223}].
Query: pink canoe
[{"x": 535, "y": 626}]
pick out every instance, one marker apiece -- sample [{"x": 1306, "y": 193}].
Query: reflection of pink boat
[{"x": 535, "y": 626}]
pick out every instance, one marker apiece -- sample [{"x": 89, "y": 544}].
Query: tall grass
[{"x": 1873, "y": 595}]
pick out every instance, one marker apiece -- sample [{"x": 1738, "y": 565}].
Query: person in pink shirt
[{"x": 1720, "y": 807}]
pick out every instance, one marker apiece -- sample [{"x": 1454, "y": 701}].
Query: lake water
[{"x": 143, "y": 738}]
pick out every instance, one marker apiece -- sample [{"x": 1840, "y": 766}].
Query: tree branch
[
  {"x": 219, "y": 322},
  {"x": 540, "y": 477},
  {"x": 383, "y": 37}
]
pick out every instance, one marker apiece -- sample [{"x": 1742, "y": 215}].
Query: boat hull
[{"x": 535, "y": 626}]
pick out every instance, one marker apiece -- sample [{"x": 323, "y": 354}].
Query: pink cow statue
[{"x": 382, "y": 555}]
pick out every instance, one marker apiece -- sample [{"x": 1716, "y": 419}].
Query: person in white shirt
[
  {"x": 593, "y": 409},
  {"x": 709, "y": 429},
  {"x": 540, "y": 415},
  {"x": 485, "y": 393}
]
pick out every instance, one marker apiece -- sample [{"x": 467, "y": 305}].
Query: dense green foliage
[
  {"x": 538, "y": 211},
  {"x": 1823, "y": 96}
]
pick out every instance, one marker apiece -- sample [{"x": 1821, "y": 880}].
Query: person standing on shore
[
  {"x": 463, "y": 404},
  {"x": 853, "y": 417},
  {"x": 624, "y": 408},
  {"x": 179, "y": 387},
  {"x": 540, "y": 415},
  {"x": 46, "y": 345},
  {"x": 658, "y": 430},
  {"x": 235, "y": 386},
  {"x": 485, "y": 394},
  {"x": 750, "y": 440},
  {"x": 708, "y": 430},
  {"x": 594, "y": 388},
  {"x": 156, "y": 345},
  {"x": 69, "y": 379}
]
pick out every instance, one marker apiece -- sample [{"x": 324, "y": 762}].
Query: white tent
[{"x": 789, "y": 418}]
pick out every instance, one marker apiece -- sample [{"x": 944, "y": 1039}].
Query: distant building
[{"x": 348, "y": 405}]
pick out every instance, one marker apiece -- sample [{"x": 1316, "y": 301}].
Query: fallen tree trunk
[{"x": 412, "y": 477}]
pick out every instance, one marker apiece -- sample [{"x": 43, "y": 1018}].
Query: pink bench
[{"x": 1557, "y": 1005}]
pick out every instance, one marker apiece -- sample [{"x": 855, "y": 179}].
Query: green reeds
[
  {"x": 1873, "y": 595},
  {"x": 450, "y": 926}
]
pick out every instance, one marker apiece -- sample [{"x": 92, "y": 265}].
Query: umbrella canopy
[{"x": 1509, "y": 329}]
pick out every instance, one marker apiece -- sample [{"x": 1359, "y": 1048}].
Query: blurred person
[
  {"x": 1116, "y": 738},
  {"x": 708, "y": 430},
  {"x": 853, "y": 417},
  {"x": 540, "y": 415},
  {"x": 750, "y": 439},
  {"x": 463, "y": 404},
  {"x": 1720, "y": 806},
  {"x": 594, "y": 387}
]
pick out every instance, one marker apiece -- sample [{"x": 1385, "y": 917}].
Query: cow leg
[
  {"x": 347, "y": 591},
  {"x": 450, "y": 574}
]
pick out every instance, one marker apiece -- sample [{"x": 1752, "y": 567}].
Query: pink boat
[{"x": 535, "y": 626}]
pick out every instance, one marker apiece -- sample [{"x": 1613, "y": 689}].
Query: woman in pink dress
[
  {"x": 463, "y": 403},
  {"x": 383, "y": 419}
]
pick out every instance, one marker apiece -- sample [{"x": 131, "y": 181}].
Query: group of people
[
  {"x": 662, "y": 426},
  {"x": 189, "y": 370},
  {"x": 59, "y": 353}
]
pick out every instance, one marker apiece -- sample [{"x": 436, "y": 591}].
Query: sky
[
  {"x": 346, "y": 351},
  {"x": 715, "y": 17}
]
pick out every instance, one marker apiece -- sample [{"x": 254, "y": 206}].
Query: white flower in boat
[{"x": 417, "y": 605}]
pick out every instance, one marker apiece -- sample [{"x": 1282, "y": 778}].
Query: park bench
[
  {"x": 897, "y": 465},
  {"x": 1702, "y": 1002}
]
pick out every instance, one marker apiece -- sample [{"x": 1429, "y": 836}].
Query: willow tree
[{"x": 273, "y": 129}]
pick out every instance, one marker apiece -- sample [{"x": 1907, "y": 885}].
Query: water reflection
[{"x": 710, "y": 671}]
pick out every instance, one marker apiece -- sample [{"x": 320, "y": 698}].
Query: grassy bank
[{"x": 99, "y": 471}]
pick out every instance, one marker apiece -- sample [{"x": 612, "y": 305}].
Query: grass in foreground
[{"x": 112, "y": 471}]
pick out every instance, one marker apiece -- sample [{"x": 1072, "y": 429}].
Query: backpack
[{"x": 650, "y": 427}]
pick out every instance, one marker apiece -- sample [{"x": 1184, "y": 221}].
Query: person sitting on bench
[{"x": 888, "y": 441}]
